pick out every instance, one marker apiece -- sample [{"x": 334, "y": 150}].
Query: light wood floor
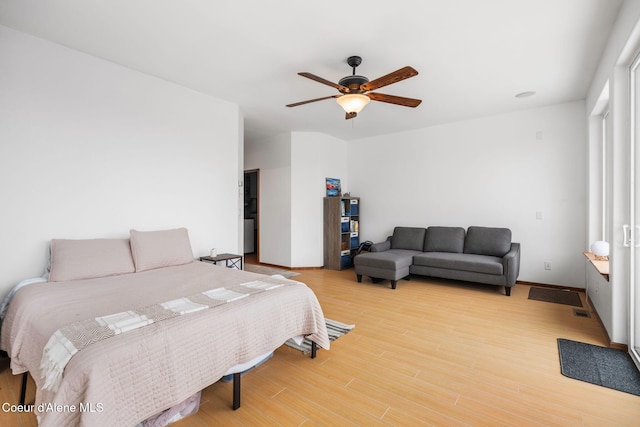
[{"x": 428, "y": 353}]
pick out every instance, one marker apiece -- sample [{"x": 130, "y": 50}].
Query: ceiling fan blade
[
  {"x": 341, "y": 88},
  {"x": 312, "y": 100},
  {"x": 392, "y": 99},
  {"x": 395, "y": 77},
  {"x": 350, "y": 115}
]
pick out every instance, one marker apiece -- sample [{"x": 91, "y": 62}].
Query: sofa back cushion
[
  {"x": 444, "y": 239},
  {"x": 411, "y": 238},
  {"x": 487, "y": 241}
]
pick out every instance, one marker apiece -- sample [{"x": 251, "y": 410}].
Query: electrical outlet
[{"x": 547, "y": 265}]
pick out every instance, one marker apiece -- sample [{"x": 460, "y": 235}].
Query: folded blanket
[
  {"x": 259, "y": 284},
  {"x": 56, "y": 355},
  {"x": 123, "y": 322},
  {"x": 67, "y": 341},
  {"x": 183, "y": 306},
  {"x": 223, "y": 294}
]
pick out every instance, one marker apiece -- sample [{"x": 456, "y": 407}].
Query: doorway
[{"x": 252, "y": 213}]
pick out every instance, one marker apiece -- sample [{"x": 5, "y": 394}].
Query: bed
[{"x": 166, "y": 348}]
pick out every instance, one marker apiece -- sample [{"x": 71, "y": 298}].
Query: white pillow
[
  {"x": 157, "y": 249},
  {"x": 90, "y": 258}
]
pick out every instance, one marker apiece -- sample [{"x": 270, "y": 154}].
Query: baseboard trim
[
  {"x": 619, "y": 346},
  {"x": 282, "y": 267}
]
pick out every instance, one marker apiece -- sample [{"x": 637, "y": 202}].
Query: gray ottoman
[{"x": 391, "y": 265}]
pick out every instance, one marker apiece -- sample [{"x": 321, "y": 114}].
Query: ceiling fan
[{"x": 355, "y": 90}]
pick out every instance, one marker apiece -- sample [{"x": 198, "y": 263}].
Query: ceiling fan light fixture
[{"x": 353, "y": 103}]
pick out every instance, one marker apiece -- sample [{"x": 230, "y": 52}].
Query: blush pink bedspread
[{"x": 125, "y": 379}]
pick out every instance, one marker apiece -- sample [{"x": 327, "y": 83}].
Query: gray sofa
[{"x": 481, "y": 254}]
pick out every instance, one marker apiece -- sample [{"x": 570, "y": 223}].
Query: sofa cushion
[
  {"x": 444, "y": 239},
  {"x": 465, "y": 262},
  {"x": 393, "y": 259},
  {"x": 487, "y": 241},
  {"x": 411, "y": 238}
]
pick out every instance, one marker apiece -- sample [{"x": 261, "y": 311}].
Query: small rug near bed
[
  {"x": 270, "y": 271},
  {"x": 602, "y": 366},
  {"x": 557, "y": 296},
  {"x": 334, "y": 329}
]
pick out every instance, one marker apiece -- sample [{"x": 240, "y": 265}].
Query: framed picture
[{"x": 333, "y": 187}]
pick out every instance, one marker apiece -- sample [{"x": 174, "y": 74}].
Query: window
[{"x": 599, "y": 169}]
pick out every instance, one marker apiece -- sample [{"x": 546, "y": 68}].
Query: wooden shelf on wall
[{"x": 602, "y": 265}]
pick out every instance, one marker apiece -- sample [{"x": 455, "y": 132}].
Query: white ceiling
[{"x": 473, "y": 56}]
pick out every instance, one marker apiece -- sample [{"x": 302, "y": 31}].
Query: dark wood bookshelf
[{"x": 341, "y": 231}]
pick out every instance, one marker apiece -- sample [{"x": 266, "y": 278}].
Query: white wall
[
  {"x": 91, "y": 149},
  {"x": 293, "y": 168},
  {"x": 492, "y": 171},
  {"x": 314, "y": 157},
  {"x": 273, "y": 158}
]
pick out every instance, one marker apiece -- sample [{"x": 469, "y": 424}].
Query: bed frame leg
[
  {"x": 236, "y": 391},
  {"x": 23, "y": 387},
  {"x": 236, "y": 381}
]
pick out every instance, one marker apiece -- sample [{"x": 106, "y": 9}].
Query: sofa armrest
[
  {"x": 511, "y": 264},
  {"x": 381, "y": 246}
]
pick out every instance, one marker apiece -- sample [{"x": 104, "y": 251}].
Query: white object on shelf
[{"x": 600, "y": 248}]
